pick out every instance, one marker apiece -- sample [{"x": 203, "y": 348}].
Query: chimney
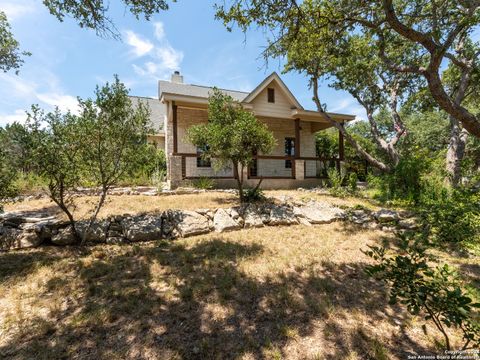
[{"x": 177, "y": 78}]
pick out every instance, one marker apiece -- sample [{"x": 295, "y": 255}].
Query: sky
[{"x": 68, "y": 61}]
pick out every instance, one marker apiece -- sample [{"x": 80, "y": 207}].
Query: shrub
[
  {"x": 253, "y": 194},
  {"x": 158, "y": 179},
  {"x": 453, "y": 217},
  {"x": 204, "y": 183},
  {"x": 435, "y": 292},
  {"x": 352, "y": 182},
  {"x": 335, "y": 179}
]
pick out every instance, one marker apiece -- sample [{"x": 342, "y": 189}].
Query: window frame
[{"x": 291, "y": 152}]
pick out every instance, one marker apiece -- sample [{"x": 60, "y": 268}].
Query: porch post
[
  {"x": 297, "y": 138},
  {"x": 341, "y": 146},
  {"x": 175, "y": 128}
]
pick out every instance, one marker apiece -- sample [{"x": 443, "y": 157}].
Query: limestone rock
[
  {"x": 282, "y": 215},
  {"x": 222, "y": 221},
  {"x": 185, "y": 223},
  {"x": 319, "y": 213},
  {"x": 408, "y": 224},
  {"x": 252, "y": 217},
  {"x": 64, "y": 237},
  {"x": 142, "y": 228},
  {"x": 385, "y": 215},
  {"x": 97, "y": 232}
]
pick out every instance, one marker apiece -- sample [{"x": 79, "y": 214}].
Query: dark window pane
[
  {"x": 271, "y": 95},
  {"x": 201, "y": 162}
]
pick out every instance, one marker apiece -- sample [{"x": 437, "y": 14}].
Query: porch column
[
  {"x": 175, "y": 128},
  {"x": 341, "y": 146},
  {"x": 297, "y": 138}
]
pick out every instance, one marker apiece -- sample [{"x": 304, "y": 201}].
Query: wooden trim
[
  {"x": 297, "y": 138},
  {"x": 175, "y": 126},
  {"x": 341, "y": 146},
  {"x": 210, "y": 177},
  {"x": 294, "y": 171},
  {"x": 272, "y": 177}
]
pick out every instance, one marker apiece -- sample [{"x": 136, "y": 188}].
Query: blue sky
[{"x": 68, "y": 61}]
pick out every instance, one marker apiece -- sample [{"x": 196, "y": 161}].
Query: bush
[
  {"x": 453, "y": 217},
  {"x": 352, "y": 182},
  {"x": 253, "y": 194},
  {"x": 204, "y": 183},
  {"x": 158, "y": 179},
  {"x": 335, "y": 179},
  {"x": 435, "y": 292}
]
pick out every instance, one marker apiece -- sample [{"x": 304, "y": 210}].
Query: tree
[
  {"x": 10, "y": 53},
  {"x": 231, "y": 136},
  {"x": 112, "y": 138},
  {"x": 55, "y": 153},
  {"x": 97, "y": 147},
  {"x": 91, "y": 14},
  {"x": 7, "y": 175},
  {"x": 411, "y": 37},
  {"x": 18, "y": 145}
]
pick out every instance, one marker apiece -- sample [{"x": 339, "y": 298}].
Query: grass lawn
[
  {"x": 132, "y": 204},
  {"x": 289, "y": 292}
]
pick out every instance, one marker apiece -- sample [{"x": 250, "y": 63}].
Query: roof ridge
[{"x": 207, "y": 87}]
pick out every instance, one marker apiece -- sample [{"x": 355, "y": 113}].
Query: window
[
  {"x": 271, "y": 95},
  {"x": 289, "y": 151},
  {"x": 201, "y": 161}
]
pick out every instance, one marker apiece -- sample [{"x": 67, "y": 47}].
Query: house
[{"x": 293, "y": 163}]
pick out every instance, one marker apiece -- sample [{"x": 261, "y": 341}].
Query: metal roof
[{"x": 195, "y": 90}]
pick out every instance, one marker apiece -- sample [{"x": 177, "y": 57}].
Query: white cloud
[
  {"x": 140, "y": 47},
  {"x": 18, "y": 115},
  {"x": 163, "y": 58},
  {"x": 16, "y": 9},
  {"x": 159, "y": 30},
  {"x": 62, "y": 101}
]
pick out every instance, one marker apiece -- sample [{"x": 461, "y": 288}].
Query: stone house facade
[{"x": 293, "y": 162}]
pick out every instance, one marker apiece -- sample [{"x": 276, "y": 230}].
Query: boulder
[
  {"x": 408, "y": 224},
  {"x": 97, "y": 232},
  {"x": 18, "y": 239},
  {"x": 319, "y": 213},
  {"x": 385, "y": 215},
  {"x": 64, "y": 237},
  {"x": 282, "y": 215},
  {"x": 222, "y": 221},
  {"x": 142, "y": 227},
  {"x": 252, "y": 217},
  {"x": 185, "y": 223}
]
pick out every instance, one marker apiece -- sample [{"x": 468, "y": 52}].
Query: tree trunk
[
  {"x": 455, "y": 153},
  {"x": 103, "y": 196},
  {"x": 239, "y": 180},
  {"x": 376, "y": 163}
]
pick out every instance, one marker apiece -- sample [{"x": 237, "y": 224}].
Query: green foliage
[
  {"x": 94, "y": 14},
  {"x": 158, "y": 178},
  {"x": 232, "y": 135},
  {"x": 56, "y": 145},
  {"x": 254, "y": 195},
  {"x": 453, "y": 217},
  {"x": 7, "y": 176},
  {"x": 335, "y": 179},
  {"x": 204, "y": 183},
  {"x": 435, "y": 292},
  {"x": 10, "y": 55},
  {"x": 352, "y": 182}
]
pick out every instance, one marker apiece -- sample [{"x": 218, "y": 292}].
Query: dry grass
[
  {"x": 132, "y": 204},
  {"x": 300, "y": 294}
]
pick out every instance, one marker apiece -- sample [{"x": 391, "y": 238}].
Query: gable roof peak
[{"x": 267, "y": 81}]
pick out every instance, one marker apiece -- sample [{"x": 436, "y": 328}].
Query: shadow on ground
[{"x": 171, "y": 301}]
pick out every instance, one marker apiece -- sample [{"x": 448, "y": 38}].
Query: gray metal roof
[
  {"x": 195, "y": 90},
  {"x": 158, "y": 111}
]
